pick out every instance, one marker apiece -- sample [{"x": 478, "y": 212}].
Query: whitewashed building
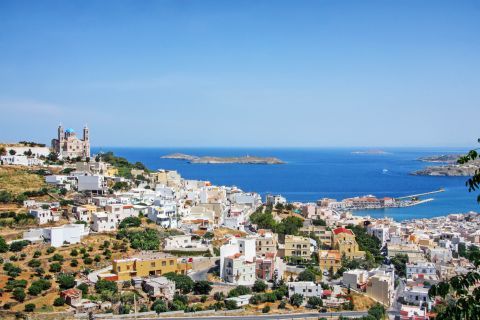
[{"x": 306, "y": 288}]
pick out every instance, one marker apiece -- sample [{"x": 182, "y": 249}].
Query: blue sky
[{"x": 242, "y": 73}]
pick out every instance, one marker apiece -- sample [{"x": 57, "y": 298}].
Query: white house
[
  {"x": 20, "y": 160},
  {"x": 57, "y": 236},
  {"x": 354, "y": 278},
  {"x": 44, "y": 216},
  {"x": 424, "y": 268},
  {"x": 275, "y": 199},
  {"x": 241, "y": 300},
  {"x": 163, "y": 213},
  {"x": 182, "y": 242},
  {"x": 104, "y": 222},
  {"x": 237, "y": 261},
  {"x": 96, "y": 183},
  {"x": 306, "y": 288},
  {"x": 417, "y": 295}
]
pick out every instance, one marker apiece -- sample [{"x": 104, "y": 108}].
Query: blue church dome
[{"x": 70, "y": 130}]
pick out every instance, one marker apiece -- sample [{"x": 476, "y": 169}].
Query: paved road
[
  {"x": 93, "y": 276},
  {"x": 314, "y": 315}
]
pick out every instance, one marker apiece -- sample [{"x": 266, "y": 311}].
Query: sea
[{"x": 310, "y": 174}]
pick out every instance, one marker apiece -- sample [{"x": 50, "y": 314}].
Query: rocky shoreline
[
  {"x": 451, "y": 170},
  {"x": 223, "y": 160}
]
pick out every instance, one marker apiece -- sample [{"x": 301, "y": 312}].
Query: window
[
  {"x": 152, "y": 264},
  {"x": 164, "y": 263},
  {"x": 171, "y": 262}
]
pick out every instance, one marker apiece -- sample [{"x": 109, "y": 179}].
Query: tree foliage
[{"x": 182, "y": 282}]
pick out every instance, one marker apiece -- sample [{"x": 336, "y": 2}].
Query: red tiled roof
[{"x": 342, "y": 230}]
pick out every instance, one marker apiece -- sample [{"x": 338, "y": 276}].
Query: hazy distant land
[
  {"x": 379, "y": 152},
  {"x": 450, "y": 167},
  {"x": 222, "y": 160}
]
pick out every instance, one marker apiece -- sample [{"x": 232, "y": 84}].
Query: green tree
[
  {"x": 19, "y": 294},
  {"x": 202, "y": 287},
  {"x": 219, "y": 296},
  {"x": 3, "y": 244},
  {"x": 182, "y": 282},
  {"x": 29, "y": 307},
  {"x": 231, "y": 304},
  {"x": 105, "y": 285},
  {"x": 296, "y": 300},
  {"x": 55, "y": 267},
  {"x": 314, "y": 302},
  {"x": 239, "y": 291},
  {"x": 84, "y": 288},
  {"x": 259, "y": 286},
  {"x": 377, "y": 311},
  {"x": 130, "y": 222},
  {"x": 66, "y": 281},
  {"x": 159, "y": 306},
  {"x": 306, "y": 275},
  {"x": 34, "y": 263},
  {"x": 58, "y": 302},
  {"x": 400, "y": 263}
]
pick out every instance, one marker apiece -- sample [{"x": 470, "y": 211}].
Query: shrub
[
  {"x": 182, "y": 282},
  {"x": 66, "y": 281},
  {"x": 314, "y": 302},
  {"x": 58, "y": 302},
  {"x": 57, "y": 257},
  {"x": 55, "y": 267},
  {"x": 219, "y": 296},
  {"x": 34, "y": 290},
  {"x": 50, "y": 250},
  {"x": 74, "y": 263},
  {"x": 84, "y": 288},
  {"x": 19, "y": 294},
  {"x": 104, "y": 285},
  {"x": 159, "y": 306},
  {"x": 74, "y": 253},
  {"x": 306, "y": 275},
  {"x": 231, "y": 304},
  {"x": 259, "y": 286},
  {"x": 29, "y": 307},
  {"x": 34, "y": 263},
  {"x": 18, "y": 245},
  {"x": 266, "y": 309},
  {"x": 202, "y": 287},
  {"x": 239, "y": 291},
  {"x": 296, "y": 300}
]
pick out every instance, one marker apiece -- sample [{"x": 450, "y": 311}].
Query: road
[
  {"x": 315, "y": 315},
  {"x": 93, "y": 276}
]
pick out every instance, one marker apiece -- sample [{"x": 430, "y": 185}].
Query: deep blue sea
[{"x": 311, "y": 174}]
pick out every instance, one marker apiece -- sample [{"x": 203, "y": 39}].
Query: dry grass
[
  {"x": 361, "y": 301},
  {"x": 17, "y": 180}
]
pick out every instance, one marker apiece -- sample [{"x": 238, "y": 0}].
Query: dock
[{"x": 421, "y": 194}]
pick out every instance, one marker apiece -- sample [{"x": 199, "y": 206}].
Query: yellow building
[
  {"x": 321, "y": 232},
  {"x": 344, "y": 241},
  {"x": 297, "y": 248},
  {"x": 111, "y": 171},
  {"x": 90, "y": 208},
  {"x": 148, "y": 264},
  {"x": 329, "y": 260}
]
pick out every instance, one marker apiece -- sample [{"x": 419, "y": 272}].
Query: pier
[{"x": 421, "y": 194}]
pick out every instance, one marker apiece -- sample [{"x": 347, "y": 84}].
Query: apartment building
[
  {"x": 329, "y": 260},
  {"x": 324, "y": 235},
  {"x": 297, "y": 248},
  {"x": 147, "y": 264},
  {"x": 266, "y": 242}
]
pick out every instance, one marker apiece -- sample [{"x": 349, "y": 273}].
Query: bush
[
  {"x": 314, "y": 302},
  {"x": 50, "y": 250},
  {"x": 84, "y": 288},
  {"x": 37, "y": 254},
  {"x": 55, "y": 267},
  {"x": 182, "y": 282},
  {"x": 29, "y": 307},
  {"x": 66, "y": 281},
  {"x": 3, "y": 245},
  {"x": 34, "y": 263},
  {"x": 282, "y": 305},
  {"x": 19, "y": 294},
  {"x": 306, "y": 275},
  {"x": 34, "y": 290},
  {"x": 74, "y": 253},
  {"x": 266, "y": 309},
  {"x": 104, "y": 285},
  {"x": 202, "y": 287},
  {"x": 239, "y": 291},
  {"x": 57, "y": 257},
  {"x": 18, "y": 245},
  {"x": 159, "y": 306},
  {"x": 58, "y": 302},
  {"x": 74, "y": 263},
  {"x": 219, "y": 296},
  {"x": 231, "y": 304},
  {"x": 259, "y": 286},
  {"x": 130, "y": 222},
  {"x": 296, "y": 300}
]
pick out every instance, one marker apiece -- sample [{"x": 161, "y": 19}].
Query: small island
[
  {"x": 223, "y": 160},
  {"x": 443, "y": 158},
  {"x": 372, "y": 152}
]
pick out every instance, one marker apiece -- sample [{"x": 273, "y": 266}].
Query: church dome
[{"x": 70, "y": 130}]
